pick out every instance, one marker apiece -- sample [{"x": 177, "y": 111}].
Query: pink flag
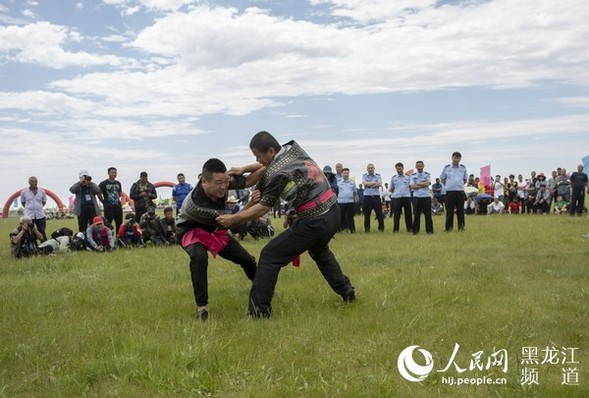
[{"x": 486, "y": 175}]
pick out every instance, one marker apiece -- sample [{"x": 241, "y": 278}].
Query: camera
[{"x": 31, "y": 225}]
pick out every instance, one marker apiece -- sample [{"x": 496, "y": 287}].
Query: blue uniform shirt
[
  {"x": 418, "y": 178},
  {"x": 400, "y": 186},
  {"x": 371, "y": 191},
  {"x": 180, "y": 192},
  {"x": 455, "y": 176},
  {"x": 346, "y": 191}
]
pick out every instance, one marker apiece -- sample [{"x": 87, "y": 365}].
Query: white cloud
[
  {"x": 29, "y": 14},
  {"x": 42, "y": 43},
  {"x": 581, "y": 102},
  {"x": 367, "y": 11}
]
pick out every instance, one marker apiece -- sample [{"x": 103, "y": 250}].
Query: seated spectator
[
  {"x": 260, "y": 228},
  {"x": 99, "y": 237},
  {"x": 496, "y": 207},
  {"x": 560, "y": 206},
  {"x": 437, "y": 208},
  {"x": 168, "y": 227},
  {"x": 233, "y": 207},
  {"x": 542, "y": 203},
  {"x": 515, "y": 206},
  {"x": 470, "y": 205},
  {"x": 529, "y": 202},
  {"x": 23, "y": 240},
  {"x": 150, "y": 226},
  {"x": 130, "y": 233}
]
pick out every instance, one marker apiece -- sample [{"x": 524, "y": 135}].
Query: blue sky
[{"x": 163, "y": 85}]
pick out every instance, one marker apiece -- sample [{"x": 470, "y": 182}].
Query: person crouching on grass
[
  {"x": 199, "y": 231},
  {"x": 291, "y": 174},
  {"x": 99, "y": 237},
  {"x": 23, "y": 240}
]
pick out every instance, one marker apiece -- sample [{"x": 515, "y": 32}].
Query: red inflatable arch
[
  {"x": 164, "y": 184},
  {"x": 15, "y": 195}
]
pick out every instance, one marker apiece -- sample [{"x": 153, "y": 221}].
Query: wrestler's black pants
[
  {"x": 199, "y": 262},
  {"x": 311, "y": 234}
]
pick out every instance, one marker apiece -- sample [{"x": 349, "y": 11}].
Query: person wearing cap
[
  {"x": 151, "y": 227},
  {"x": 99, "y": 236},
  {"x": 143, "y": 194},
  {"x": 129, "y": 233},
  {"x": 86, "y": 203},
  {"x": 454, "y": 176},
  {"x": 372, "y": 183},
  {"x": 331, "y": 178},
  {"x": 292, "y": 175},
  {"x": 111, "y": 193},
  {"x": 23, "y": 239},
  {"x": 200, "y": 233},
  {"x": 33, "y": 199}
]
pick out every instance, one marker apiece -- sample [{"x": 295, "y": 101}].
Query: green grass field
[{"x": 121, "y": 324}]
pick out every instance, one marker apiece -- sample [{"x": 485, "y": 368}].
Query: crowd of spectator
[{"x": 409, "y": 194}]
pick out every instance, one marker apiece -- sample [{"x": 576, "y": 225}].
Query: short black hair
[
  {"x": 212, "y": 166},
  {"x": 111, "y": 168},
  {"x": 180, "y": 175},
  {"x": 345, "y": 169},
  {"x": 456, "y": 154},
  {"x": 399, "y": 164},
  {"x": 143, "y": 174},
  {"x": 168, "y": 208},
  {"x": 263, "y": 141}
]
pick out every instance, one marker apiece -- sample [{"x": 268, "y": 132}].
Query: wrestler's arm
[
  {"x": 253, "y": 178},
  {"x": 239, "y": 171},
  {"x": 251, "y": 213}
]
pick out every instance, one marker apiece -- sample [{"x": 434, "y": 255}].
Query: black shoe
[
  {"x": 202, "y": 315},
  {"x": 349, "y": 295},
  {"x": 259, "y": 314}
]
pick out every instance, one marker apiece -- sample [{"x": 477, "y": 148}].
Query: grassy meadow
[{"x": 121, "y": 324}]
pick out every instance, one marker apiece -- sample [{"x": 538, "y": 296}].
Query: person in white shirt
[
  {"x": 33, "y": 199},
  {"x": 495, "y": 207}
]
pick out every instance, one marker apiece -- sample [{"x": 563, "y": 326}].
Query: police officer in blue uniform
[
  {"x": 420, "y": 182},
  {"x": 372, "y": 182},
  {"x": 401, "y": 198},
  {"x": 454, "y": 176}
]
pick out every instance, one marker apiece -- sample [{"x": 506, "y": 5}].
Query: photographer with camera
[
  {"x": 151, "y": 228},
  {"x": 86, "y": 204},
  {"x": 23, "y": 240},
  {"x": 130, "y": 233}
]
